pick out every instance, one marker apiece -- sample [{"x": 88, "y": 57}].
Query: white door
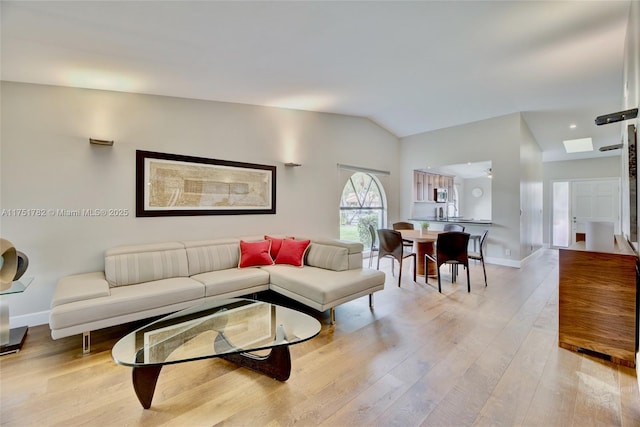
[{"x": 594, "y": 200}]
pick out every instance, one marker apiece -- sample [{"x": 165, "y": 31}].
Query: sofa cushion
[
  {"x": 276, "y": 244},
  {"x": 328, "y": 257},
  {"x": 212, "y": 257},
  {"x": 127, "y": 299},
  {"x": 255, "y": 254},
  {"x": 352, "y": 247},
  {"x": 80, "y": 287},
  {"x": 292, "y": 252},
  {"x": 235, "y": 279},
  {"x": 323, "y": 286},
  {"x": 128, "y": 265}
]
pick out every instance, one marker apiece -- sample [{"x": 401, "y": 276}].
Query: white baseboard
[
  {"x": 503, "y": 261},
  {"x": 31, "y": 319},
  {"x": 512, "y": 262},
  {"x": 532, "y": 256}
]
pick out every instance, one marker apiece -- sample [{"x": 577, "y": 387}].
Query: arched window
[{"x": 361, "y": 204}]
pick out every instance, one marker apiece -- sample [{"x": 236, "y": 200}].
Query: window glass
[{"x": 361, "y": 204}]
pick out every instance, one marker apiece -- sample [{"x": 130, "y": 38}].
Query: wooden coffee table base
[
  {"x": 145, "y": 379},
  {"x": 277, "y": 365}
]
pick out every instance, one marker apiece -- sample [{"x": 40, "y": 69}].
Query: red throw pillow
[
  {"x": 292, "y": 252},
  {"x": 254, "y": 254},
  {"x": 276, "y": 243}
]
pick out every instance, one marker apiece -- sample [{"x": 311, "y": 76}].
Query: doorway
[{"x": 576, "y": 202}]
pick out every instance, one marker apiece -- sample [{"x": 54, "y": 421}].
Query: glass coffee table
[{"x": 232, "y": 329}]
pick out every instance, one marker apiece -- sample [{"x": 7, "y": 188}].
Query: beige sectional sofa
[{"x": 149, "y": 280}]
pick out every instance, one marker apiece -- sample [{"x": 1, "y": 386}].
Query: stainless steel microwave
[{"x": 440, "y": 195}]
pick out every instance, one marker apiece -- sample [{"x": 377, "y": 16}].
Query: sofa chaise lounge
[{"x": 149, "y": 280}]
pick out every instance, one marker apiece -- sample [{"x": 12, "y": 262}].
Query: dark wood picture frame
[{"x": 179, "y": 185}]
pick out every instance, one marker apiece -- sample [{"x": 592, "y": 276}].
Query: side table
[{"x": 11, "y": 340}]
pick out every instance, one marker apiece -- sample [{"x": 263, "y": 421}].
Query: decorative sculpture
[
  {"x": 9, "y": 264},
  {"x": 23, "y": 264}
]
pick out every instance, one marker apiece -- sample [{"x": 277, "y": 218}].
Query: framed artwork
[{"x": 177, "y": 185}]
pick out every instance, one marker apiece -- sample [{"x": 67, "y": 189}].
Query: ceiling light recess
[{"x": 578, "y": 145}]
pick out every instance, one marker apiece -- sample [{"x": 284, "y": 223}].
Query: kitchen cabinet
[
  {"x": 425, "y": 184},
  {"x": 418, "y": 186}
]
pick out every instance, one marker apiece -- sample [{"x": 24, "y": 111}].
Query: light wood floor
[{"x": 489, "y": 358}]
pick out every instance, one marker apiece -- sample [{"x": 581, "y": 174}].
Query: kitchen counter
[{"x": 460, "y": 220}]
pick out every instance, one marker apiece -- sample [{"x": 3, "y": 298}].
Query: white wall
[
  {"x": 632, "y": 59},
  {"x": 603, "y": 167},
  {"x": 476, "y": 207},
  {"x": 530, "y": 192},
  {"x": 496, "y": 139},
  {"x": 631, "y": 94},
  {"x": 48, "y": 163}
]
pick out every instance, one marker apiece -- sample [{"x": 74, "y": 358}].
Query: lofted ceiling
[{"x": 411, "y": 67}]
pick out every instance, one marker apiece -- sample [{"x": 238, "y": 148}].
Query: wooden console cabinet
[{"x": 597, "y": 301}]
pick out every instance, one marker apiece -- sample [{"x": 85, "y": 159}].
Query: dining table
[{"x": 423, "y": 243}]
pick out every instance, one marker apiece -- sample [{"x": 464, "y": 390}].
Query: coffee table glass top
[{"x": 214, "y": 329}]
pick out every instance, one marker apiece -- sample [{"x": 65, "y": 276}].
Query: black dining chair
[
  {"x": 374, "y": 248},
  {"x": 391, "y": 246},
  {"x": 451, "y": 248},
  {"x": 403, "y": 225},
  {"x": 453, "y": 227},
  {"x": 479, "y": 256}
]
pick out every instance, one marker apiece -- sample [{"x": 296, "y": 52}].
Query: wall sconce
[
  {"x": 292, "y": 165},
  {"x": 617, "y": 117},
  {"x": 100, "y": 142}
]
